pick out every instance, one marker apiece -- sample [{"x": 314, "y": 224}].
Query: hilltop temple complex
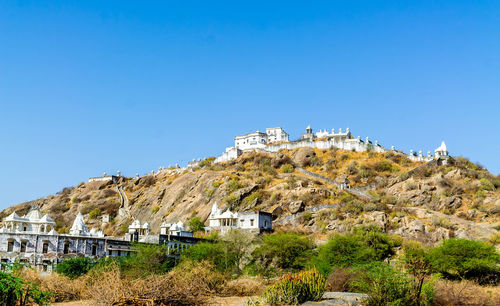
[{"x": 275, "y": 139}]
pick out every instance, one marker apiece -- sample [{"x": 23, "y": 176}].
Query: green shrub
[
  {"x": 196, "y": 225},
  {"x": 16, "y": 291},
  {"x": 383, "y": 166},
  {"x": 486, "y": 184},
  {"x": 284, "y": 250},
  {"x": 296, "y": 288},
  {"x": 365, "y": 245},
  {"x": 470, "y": 259},
  {"x": 287, "y": 168},
  {"x": 386, "y": 285},
  {"x": 147, "y": 259},
  {"x": 94, "y": 213},
  {"x": 75, "y": 267},
  {"x": 217, "y": 253}
]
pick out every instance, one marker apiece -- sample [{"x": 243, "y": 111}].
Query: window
[
  {"x": 94, "y": 249},
  {"x": 45, "y": 247},
  {"x": 66, "y": 247},
  {"x": 265, "y": 223},
  {"x": 23, "y": 246},
  {"x": 119, "y": 253},
  {"x": 251, "y": 222},
  {"x": 10, "y": 246}
]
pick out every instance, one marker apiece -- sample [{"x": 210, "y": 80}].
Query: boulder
[
  {"x": 277, "y": 212},
  {"x": 303, "y": 156},
  {"x": 296, "y": 206},
  {"x": 279, "y": 160}
]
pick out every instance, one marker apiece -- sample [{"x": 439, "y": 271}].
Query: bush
[
  {"x": 486, "y": 184},
  {"x": 365, "y": 245},
  {"x": 339, "y": 279},
  {"x": 287, "y": 168},
  {"x": 470, "y": 259},
  {"x": 383, "y": 166},
  {"x": 94, "y": 213},
  {"x": 147, "y": 260},
  {"x": 196, "y": 225},
  {"x": 217, "y": 254},
  {"x": 386, "y": 285},
  {"x": 296, "y": 288},
  {"x": 75, "y": 267},
  {"x": 342, "y": 251},
  {"x": 15, "y": 291},
  {"x": 284, "y": 250}
]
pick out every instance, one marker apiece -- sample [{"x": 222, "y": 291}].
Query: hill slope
[{"x": 427, "y": 202}]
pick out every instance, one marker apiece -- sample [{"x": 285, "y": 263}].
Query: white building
[
  {"x": 276, "y": 134},
  {"x": 176, "y": 229},
  {"x": 257, "y": 221},
  {"x": 276, "y": 139},
  {"x": 251, "y": 141},
  {"x": 442, "y": 151},
  {"x": 33, "y": 223}
]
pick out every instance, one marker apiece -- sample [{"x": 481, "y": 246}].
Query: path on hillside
[
  {"x": 359, "y": 191},
  {"x": 124, "y": 208}
]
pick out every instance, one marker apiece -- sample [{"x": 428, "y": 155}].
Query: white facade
[
  {"x": 442, "y": 151},
  {"x": 276, "y": 134},
  {"x": 223, "y": 221},
  {"x": 276, "y": 139},
  {"x": 255, "y": 140},
  {"x": 176, "y": 229},
  {"x": 33, "y": 222}
]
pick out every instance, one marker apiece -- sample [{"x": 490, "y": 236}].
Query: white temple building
[
  {"x": 176, "y": 229},
  {"x": 33, "y": 222},
  {"x": 257, "y": 221},
  {"x": 276, "y": 139}
]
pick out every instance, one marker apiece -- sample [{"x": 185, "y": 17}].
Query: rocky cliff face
[{"x": 427, "y": 202}]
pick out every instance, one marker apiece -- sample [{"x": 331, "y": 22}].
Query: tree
[
  {"x": 462, "y": 258},
  {"x": 238, "y": 243},
  {"x": 217, "y": 253},
  {"x": 284, "y": 250},
  {"x": 196, "y": 225},
  {"x": 365, "y": 245},
  {"x": 148, "y": 259},
  {"x": 16, "y": 291},
  {"x": 75, "y": 267}
]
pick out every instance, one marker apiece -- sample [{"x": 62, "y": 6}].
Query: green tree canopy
[
  {"x": 196, "y": 225},
  {"x": 462, "y": 258},
  {"x": 284, "y": 250}
]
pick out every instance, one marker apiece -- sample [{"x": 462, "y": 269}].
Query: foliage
[
  {"x": 486, "y": 184},
  {"x": 287, "y": 168},
  {"x": 239, "y": 243},
  {"x": 386, "y": 285},
  {"x": 95, "y": 213},
  {"x": 364, "y": 245},
  {"x": 75, "y": 267},
  {"x": 16, "y": 291},
  {"x": 296, "y": 288},
  {"x": 196, "y": 225},
  {"x": 284, "y": 250},
  {"x": 470, "y": 259},
  {"x": 216, "y": 253},
  {"x": 148, "y": 259}
]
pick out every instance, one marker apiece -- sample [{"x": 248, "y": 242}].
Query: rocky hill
[{"x": 423, "y": 201}]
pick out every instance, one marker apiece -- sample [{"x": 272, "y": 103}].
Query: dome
[
  {"x": 79, "y": 227},
  {"x": 146, "y": 226},
  {"x": 135, "y": 224},
  {"x": 47, "y": 219}
]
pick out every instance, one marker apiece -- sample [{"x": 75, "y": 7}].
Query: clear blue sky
[{"x": 93, "y": 86}]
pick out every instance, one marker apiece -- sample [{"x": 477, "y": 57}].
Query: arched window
[
  {"x": 66, "y": 247},
  {"x": 23, "y": 246},
  {"x": 10, "y": 245},
  {"x": 45, "y": 247},
  {"x": 94, "y": 249}
]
